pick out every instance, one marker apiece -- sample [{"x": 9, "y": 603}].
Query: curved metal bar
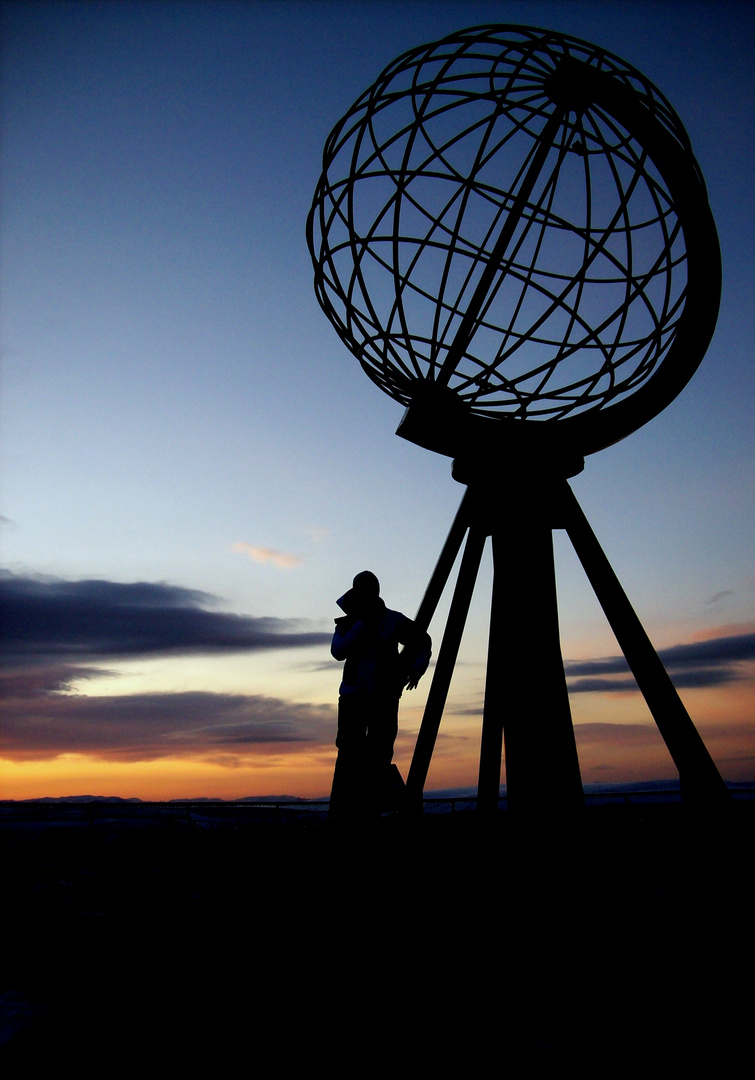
[
  {"x": 454, "y": 251},
  {"x": 470, "y": 321}
]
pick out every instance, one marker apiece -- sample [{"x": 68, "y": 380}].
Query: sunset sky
[{"x": 194, "y": 467}]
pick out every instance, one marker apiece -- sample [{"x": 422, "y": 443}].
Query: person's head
[
  {"x": 363, "y": 594},
  {"x": 366, "y": 585}
]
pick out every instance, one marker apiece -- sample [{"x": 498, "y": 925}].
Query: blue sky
[{"x": 177, "y": 411}]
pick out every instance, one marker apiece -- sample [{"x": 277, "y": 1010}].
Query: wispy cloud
[
  {"x": 283, "y": 559},
  {"x": 717, "y": 597},
  {"x": 319, "y": 533},
  {"x": 632, "y": 736}
]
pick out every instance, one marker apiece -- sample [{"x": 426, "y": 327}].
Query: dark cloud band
[
  {"x": 695, "y": 665},
  {"x": 85, "y": 621},
  {"x": 57, "y": 633},
  {"x": 146, "y": 727}
]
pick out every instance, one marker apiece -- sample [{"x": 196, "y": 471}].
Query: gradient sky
[{"x": 193, "y": 467}]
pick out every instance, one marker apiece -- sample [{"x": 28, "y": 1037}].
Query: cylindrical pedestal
[{"x": 526, "y": 700}]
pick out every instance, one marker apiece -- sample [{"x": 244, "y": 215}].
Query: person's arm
[
  {"x": 415, "y": 656},
  {"x": 347, "y": 633}
]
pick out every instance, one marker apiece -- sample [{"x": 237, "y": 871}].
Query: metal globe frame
[{"x": 513, "y": 237}]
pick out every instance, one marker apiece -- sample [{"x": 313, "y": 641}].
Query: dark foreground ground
[{"x": 616, "y": 942}]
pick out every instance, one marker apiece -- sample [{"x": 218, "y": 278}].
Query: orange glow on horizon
[
  {"x": 309, "y": 776},
  {"x": 617, "y": 739}
]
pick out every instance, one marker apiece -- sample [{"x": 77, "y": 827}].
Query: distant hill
[
  {"x": 118, "y": 799},
  {"x": 78, "y": 799},
  {"x": 441, "y": 793}
]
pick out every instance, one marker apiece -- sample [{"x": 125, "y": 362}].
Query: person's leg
[
  {"x": 347, "y": 793},
  {"x": 382, "y": 728}
]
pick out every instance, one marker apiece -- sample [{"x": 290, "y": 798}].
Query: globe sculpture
[{"x": 512, "y": 236}]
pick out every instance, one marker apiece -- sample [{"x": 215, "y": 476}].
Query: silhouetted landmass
[
  {"x": 133, "y": 799},
  {"x": 607, "y": 940},
  {"x": 77, "y": 799},
  {"x": 438, "y": 793}
]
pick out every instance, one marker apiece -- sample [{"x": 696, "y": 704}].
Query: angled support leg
[
  {"x": 445, "y": 563},
  {"x": 444, "y": 667},
  {"x": 699, "y": 778}
]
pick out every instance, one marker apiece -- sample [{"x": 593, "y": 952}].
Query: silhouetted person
[{"x": 375, "y": 674}]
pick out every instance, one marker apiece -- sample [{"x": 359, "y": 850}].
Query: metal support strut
[{"x": 526, "y": 712}]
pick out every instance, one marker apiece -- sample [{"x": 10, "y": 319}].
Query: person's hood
[{"x": 345, "y": 602}]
